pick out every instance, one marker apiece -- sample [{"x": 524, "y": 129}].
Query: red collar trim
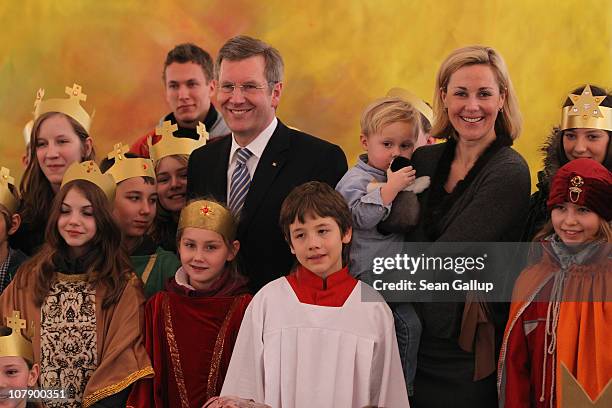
[{"x": 314, "y": 290}]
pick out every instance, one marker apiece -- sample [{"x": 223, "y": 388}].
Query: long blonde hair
[{"x": 508, "y": 121}]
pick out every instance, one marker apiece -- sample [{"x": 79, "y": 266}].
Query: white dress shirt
[{"x": 256, "y": 147}]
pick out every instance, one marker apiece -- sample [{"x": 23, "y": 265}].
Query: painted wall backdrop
[{"x": 338, "y": 55}]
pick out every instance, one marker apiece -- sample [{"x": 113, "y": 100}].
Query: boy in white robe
[{"x": 318, "y": 337}]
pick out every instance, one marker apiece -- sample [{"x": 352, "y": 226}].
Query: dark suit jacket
[{"x": 290, "y": 159}]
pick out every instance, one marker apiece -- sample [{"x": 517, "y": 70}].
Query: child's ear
[
  {"x": 33, "y": 375},
  {"x": 15, "y": 223},
  {"x": 346, "y": 238},
  {"x": 364, "y": 141},
  {"x": 233, "y": 250}
]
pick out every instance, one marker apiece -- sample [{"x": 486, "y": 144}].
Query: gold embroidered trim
[
  {"x": 71, "y": 278},
  {"x": 147, "y": 270},
  {"x": 174, "y": 353},
  {"x": 213, "y": 373},
  {"x": 115, "y": 388}
]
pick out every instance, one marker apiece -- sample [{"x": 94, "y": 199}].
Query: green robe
[{"x": 164, "y": 267}]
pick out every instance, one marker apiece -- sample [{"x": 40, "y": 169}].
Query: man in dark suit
[{"x": 255, "y": 168}]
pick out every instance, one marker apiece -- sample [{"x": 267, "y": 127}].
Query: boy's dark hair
[
  {"x": 315, "y": 198},
  {"x": 188, "y": 52}
]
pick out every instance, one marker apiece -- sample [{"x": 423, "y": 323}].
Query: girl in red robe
[
  {"x": 556, "y": 348},
  {"x": 192, "y": 326}
]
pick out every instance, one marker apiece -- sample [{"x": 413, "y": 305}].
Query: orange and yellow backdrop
[{"x": 338, "y": 56}]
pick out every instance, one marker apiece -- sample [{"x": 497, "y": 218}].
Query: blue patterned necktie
[{"x": 241, "y": 180}]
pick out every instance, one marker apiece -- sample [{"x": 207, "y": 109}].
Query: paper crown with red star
[
  {"x": 89, "y": 171},
  {"x": 208, "y": 215},
  {"x": 124, "y": 168}
]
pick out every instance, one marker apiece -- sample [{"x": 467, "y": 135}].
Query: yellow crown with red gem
[
  {"x": 70, "y": 106},
  {"x": 208, "y": 215},
  {"x": 89, "y": 171},
  {"x": 124, "y": 168},
  {"x": 170, "y": 145},
  {"x": 15, "y": 344},
  {"x": 586, "y": 112},
  {"x": 7, "y": 198}
]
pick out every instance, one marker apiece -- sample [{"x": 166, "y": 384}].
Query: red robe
[
  {"x": 583, "y": 340},
  {"x": 189, "y": 336}
]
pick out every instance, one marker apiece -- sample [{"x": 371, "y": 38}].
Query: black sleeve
[
  {"x": 116, "y": 400},
  {"x": 333, "y": 166}
]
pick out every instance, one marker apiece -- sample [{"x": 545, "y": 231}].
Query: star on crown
[
  {"x": 201, "y": 129},
  {"x": 5, "y": 176},
  {"x": 15, "y": 322},
  {"x": 586, "y": 104},
  {"x": 40, "y": 94},
  {"x": 166, "y": 129},
  {"x": 206, "y": 210},
  {"x": 76, "y": 92},
  {"x": 119, "y": 151}
]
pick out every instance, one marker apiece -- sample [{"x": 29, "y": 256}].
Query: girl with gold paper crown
[
  {"x": 59, "y": 138},
  {"x": 556, "y": 348},
  {"x": 192, "y": 326},
  {"x": 82, "y": 297},
  {"x": 585, "y": 135},
  {"x": 134, "y": 210},
  {"x": 171, "y": 155}
]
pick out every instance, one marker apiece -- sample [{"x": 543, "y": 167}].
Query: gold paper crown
[
  {"x": 208, "y": 215},
  {"x": 586, "y": 112},
  {"x": 89, "y": 170},
  {"x": 169, "y": 145},
  {"x": 573, "y": 395},
  {"x": 414, "y": 100},
  {"x": 71, "y": 106},
  {"x": 7, "y": 198},
  {"x": 15, "y": 344},
  {"x": 127, "y": 167}
]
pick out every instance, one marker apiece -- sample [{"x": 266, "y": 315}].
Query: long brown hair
[
  {"x": 36, "y": 192},
  {"x": 110, "y": 268}
]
